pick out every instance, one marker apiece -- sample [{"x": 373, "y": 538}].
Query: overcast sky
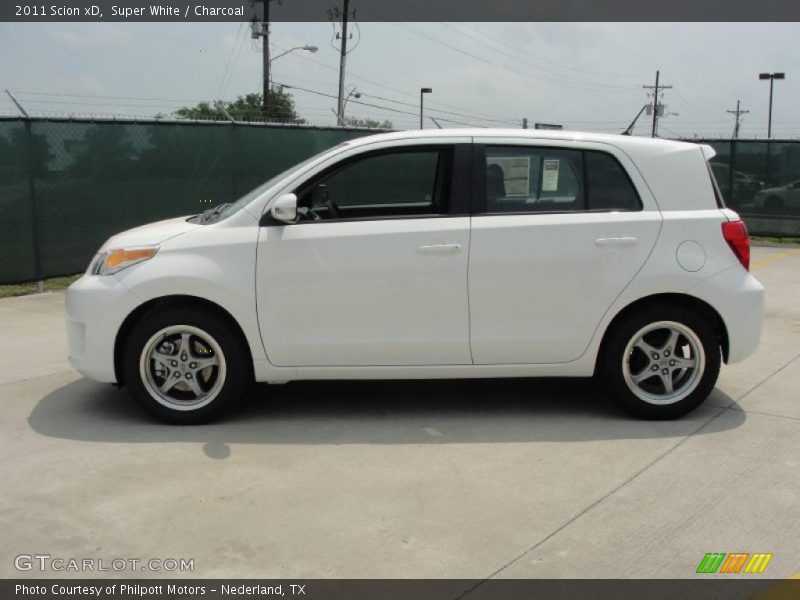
[{"x": 584, "y": 75}]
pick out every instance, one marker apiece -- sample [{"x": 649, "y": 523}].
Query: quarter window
[{"x": 609, "y": 185}]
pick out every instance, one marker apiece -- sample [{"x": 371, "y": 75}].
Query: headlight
[{"x": 113, "y": 261}]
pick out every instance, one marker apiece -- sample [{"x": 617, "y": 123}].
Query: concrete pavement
[{"x": 475, "y": 479}]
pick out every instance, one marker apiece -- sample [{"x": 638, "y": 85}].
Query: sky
[{"x": 585, "y": 76}]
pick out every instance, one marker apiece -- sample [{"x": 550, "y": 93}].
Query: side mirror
[{"x": 284, "y": 208}]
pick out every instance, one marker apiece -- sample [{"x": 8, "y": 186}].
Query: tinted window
[
  {"x": 609, "y": 185},
  {"x": 404, "y": 183},
  {"x": 520, "y": 179}
]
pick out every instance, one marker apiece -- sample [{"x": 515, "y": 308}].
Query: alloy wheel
[{"x": 663, "y": 362}]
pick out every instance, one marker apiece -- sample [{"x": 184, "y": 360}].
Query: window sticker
[{"x": 550, "y": 175}]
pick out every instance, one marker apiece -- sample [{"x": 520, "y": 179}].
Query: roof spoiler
[{"x": 708, "y": 151}]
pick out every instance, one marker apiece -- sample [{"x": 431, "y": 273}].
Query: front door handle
[
  {"x": 616, "y": 240},
  {"x": 439, "y": 249}
]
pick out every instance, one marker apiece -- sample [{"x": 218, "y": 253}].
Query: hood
[
  {"x": 771, "y": 190},
  {"x": 152, "y": 233}
]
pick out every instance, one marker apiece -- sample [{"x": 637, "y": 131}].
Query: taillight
[{"x": 735, "y": 233}]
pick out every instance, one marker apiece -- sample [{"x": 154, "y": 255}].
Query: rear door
[{"x": 557, "y": 233}]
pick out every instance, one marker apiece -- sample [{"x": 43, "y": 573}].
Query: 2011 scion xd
[{"x": 444, "y": 254}]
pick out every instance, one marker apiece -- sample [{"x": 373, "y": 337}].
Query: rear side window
[
  {"x": 526, "y": 179},
  {"x": 609, "y": 186}
]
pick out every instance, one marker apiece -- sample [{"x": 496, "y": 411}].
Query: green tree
[
  {"x": 368, "y": 123},
  {"x": 105, "y": 152},
  {"x": 247, "y": 108},
  {"x": 15, "y": 151}
]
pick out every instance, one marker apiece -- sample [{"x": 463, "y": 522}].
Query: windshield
[{"x": 229, "y": 209}]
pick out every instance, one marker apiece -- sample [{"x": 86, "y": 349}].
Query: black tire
[
  {"x": 235, "y": 360},
  {"x": 773, "y": 204},
  {"x": 612, "y": 369}
]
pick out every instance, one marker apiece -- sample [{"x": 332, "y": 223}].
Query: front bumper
[{"x": 96, "y": 308}]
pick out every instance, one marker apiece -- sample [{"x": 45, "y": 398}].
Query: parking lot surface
[{"x": 452, "y": 479}]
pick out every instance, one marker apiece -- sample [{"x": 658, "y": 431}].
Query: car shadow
[{"x": 374, "y": 412}]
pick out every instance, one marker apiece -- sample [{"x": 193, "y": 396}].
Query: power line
[
  {"x": 233, "y": 67},
  {"x": 390, "y": 88},
  {"x": 440, "y": 17},
  {"x": 515, "y": 56},
  {"x": 230, "y": 58},
  {"x": 385, "y": 108},
  {"x": 573, "y": 83}
]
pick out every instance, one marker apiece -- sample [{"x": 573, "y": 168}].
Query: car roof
[
  {"x": 635, "y": 145},
  {"x": 675, "y": 172}
]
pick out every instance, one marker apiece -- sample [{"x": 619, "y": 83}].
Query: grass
[
  {"x": 50, "y": 285},
  {"x": 774, "y": 240}
]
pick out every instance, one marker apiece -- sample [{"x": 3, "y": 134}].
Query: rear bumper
[
  {"x": 96, "y": 308},
  {"x": 739, "y": 299}
]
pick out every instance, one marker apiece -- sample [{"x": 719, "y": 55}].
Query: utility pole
[
  {"x": 738, "y": 112},
  {"x": 342, "y": 62},
  {"x": 261, "y": 29},
  {"x": 656, "y": 105}
]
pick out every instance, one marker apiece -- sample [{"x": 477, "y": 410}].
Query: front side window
[
  {"x": 405, "y": 183},
  {"x": 520, "y": 179}
]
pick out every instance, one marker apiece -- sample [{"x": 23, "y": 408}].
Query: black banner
[
  {"x": 403, "y": 10},
  {"x": 729, "y": 588}
]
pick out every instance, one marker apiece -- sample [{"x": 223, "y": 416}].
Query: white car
[
  {"x": 441, "y": 254},
  {"x": 776, "y": 199}
]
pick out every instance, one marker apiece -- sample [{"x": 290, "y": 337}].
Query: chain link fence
[
  {"x": 760, "y": 179},
  {"x": 67, "y": 185}
]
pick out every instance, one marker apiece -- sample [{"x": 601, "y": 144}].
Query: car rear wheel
[
  {"x": 661, "y": 362},
  {"x": 774, "y": 204},
  {"x": 185, "y": 366}
]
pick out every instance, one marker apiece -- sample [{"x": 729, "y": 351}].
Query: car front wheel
[
  {"x": 185, "y": 366},
  {"x": 662, "y": 362}
]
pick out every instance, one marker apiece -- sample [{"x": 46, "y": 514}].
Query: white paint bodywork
[{"x": 458, "y": 296}]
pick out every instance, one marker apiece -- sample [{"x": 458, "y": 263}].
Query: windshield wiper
[{"x": 213, "y": 213}]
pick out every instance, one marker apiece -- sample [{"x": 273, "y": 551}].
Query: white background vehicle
[
  {"x": 778, "y": 198},
  {"x": 444, "y": 254}
]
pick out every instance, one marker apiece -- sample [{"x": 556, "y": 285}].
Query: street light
[
  {"x": 422, "y": 91},
  {"x": 307, "y": 48},
  {"x": 772, "y": 77}
]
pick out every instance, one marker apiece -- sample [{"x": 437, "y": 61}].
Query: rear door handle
[
  {"x": 439, "y": 249},
  {"x": 616, "y": 240}
]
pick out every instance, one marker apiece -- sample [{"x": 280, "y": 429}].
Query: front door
[{"x": 375, "y": 271}]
